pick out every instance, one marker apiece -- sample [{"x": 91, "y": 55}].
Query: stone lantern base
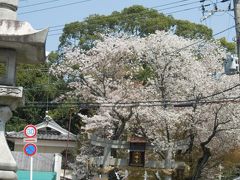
[
  {"x": 10, "y": 99},
  {"x": 8, "y": 165}
]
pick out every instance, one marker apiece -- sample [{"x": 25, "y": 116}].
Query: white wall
[{"x": 46, "y": 146}]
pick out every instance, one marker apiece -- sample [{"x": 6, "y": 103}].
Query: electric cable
[
  {"x": 197, "y": 42},
  {"x": 37, "y": 4},
  {"x": 52, "y": 27},
  {"x": 54, "y": 7},
  {"x": 178, "y": 101},
  {"x": 51, "y": 1},
  {"x": 170, "y": 3},
  {"x": 194, "y": 44},
  {"x": 183, "y": 10},
  {"x": 203, "y": 40},
  {"x": 124, "y": 16},
  {"x": 174, "y": 104},
  {"x": 139, "y": 12},
  {"x": 73, "y": 3},
  {"x": 186, "y": 4}
]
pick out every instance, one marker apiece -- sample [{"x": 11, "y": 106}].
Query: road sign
[
  {"x": 30, "y": 149},
  {"x": 30, "y": 131}
]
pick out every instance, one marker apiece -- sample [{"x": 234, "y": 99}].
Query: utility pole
[
  {"x": 236, "y": 4},
  {"x": 66, "y": 151}
]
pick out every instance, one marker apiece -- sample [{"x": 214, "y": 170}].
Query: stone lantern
[{"x": 19, "y": 43}]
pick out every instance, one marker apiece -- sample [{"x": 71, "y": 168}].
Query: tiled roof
[
  {"x": 136, "y": 139},
  {"x": 47, "y": 136},
  {"x": 56, "y": 132}
]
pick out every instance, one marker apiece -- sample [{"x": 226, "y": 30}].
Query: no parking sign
[
  {"x": 30, "y": 132},
  {"x": 30, "y": 149}
]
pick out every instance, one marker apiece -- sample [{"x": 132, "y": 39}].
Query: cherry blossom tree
[
  {"x": 103, "y": 74},
  {"x": 108, "y": 76},
  {"x": 183, "y": 74}
]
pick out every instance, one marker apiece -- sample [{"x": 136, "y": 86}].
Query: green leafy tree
[
  {"x": 39, "y": 86},
  {"x": 135, "y": 20},
  {"x": 230, "y": 46}
]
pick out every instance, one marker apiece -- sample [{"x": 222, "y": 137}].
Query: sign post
[
  {"x": 31, "y": 168},
  {"x": 30, "y": 149}
]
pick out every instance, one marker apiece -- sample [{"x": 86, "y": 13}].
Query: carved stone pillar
[
  {"x": 8, "y": 165},
  {"x": 168, "y": 164},
  {"x": 106, "y": 156},
  {"x": 10, "y": 98}
]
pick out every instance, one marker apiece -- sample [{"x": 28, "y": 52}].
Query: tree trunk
[
  {"x": 117, "y": 136},
  {"x": 201, "y": 162},
  {"x": 119, "y": 131},
  {"x": 189, "y": 152}
]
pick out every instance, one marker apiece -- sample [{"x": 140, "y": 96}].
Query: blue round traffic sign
[{"x": 30, "y": 149}]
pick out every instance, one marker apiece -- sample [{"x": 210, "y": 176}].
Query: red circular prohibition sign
[
  {"x": 30, "y": 149},
  {"x": 30, "y": 129}
]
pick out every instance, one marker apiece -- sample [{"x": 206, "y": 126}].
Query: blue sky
[{"x": 66, "y": 14}]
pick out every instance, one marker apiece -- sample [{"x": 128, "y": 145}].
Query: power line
[
  {"x": 136, "y": 104},
  {"x": 196, "y": 7},
  {"x": 116, "y": 15},
  {"x": 171, "y": 3},
  {"x": 226, "y": 90},
  {"x": 120, "y": 15},
  {"x": 123, "y": 16},
  {"x": 34, "y": 69},
  {"x": 60, "y": 83},
  {"x": 183, "y": 10},
  {"x": 186, "y": 4},
  {"x": 155, "y": 101},
  {"x": 51, "y": 1},
  {"x": 55, "y": 30},
  {"x": 37, "y": 4},
  {"x": 51, "y": 27},
  {"x": 197, "y": 43},
  {"x": 175, "y": 51},
  {"x": 54, "y": 7},
  {"x": 106, "y": 17},
  {"x": 141, "y": 13},
  {"x": 202, "y": 40},
  {"x": 46, "y": 2}
]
